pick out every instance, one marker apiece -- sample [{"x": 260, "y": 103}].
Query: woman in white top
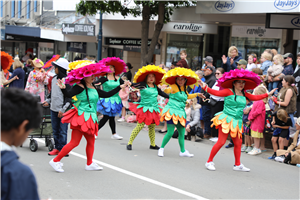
[
  {"x": 251, "y": 62},
  {"x": 217, "y": 103}
]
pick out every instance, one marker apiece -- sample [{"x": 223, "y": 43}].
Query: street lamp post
[{"x": 100, "y": 38}]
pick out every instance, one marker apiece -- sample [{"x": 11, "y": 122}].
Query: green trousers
[{"x": 170, "y": 132}]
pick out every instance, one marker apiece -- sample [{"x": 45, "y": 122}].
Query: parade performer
[
  {"x": 6, "y": 62},
  {"x": 83, "y": 115},
  {"x": 174, "y": 113},
  {"x": 110, "y": 107},
  {"x": 230, "y": 120},
  {"x": 147, "y": 110}
]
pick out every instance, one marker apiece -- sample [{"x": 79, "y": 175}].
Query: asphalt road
[{"x": 141, "y": 174}]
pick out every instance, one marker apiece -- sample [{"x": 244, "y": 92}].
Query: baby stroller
[{"x": 44, "y": 131}]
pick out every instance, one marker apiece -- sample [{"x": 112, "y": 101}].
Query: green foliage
[{"x": 111, "y": 7}]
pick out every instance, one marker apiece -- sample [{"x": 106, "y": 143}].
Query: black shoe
[
  {"x": 160, "y": 131},
  {"x": 129, "y": 147},
  {"x": 154, "y": 147},
  {"x": 288, "y": 158},
  {"x": 67, "y": 155},
  {"x": 229, "y": 145}
]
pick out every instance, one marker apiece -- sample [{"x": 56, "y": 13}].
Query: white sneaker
[
  {"x": 121, "y": 120},
  {"x": 186, "y": 154},
  {"x": 279, "y": 159},
  {"x": 57, "y": 166},
  {"x": 215, "y": 139},
  {"x": 210, "y": 166},
  {"x": 116, "y": 137},
  {"x": 96, "y": 136},
  {"x": 93, "y": 167},
  {"x": 243, "y": 148},
  {"x": 241, "y": 168},
  {"x": 248, "y": 149},
  {"x": 254, "y": 151},
  {"x": 161, "y": 152}
]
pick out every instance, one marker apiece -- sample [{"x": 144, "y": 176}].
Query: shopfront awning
[{"x": 23, "y": 31}]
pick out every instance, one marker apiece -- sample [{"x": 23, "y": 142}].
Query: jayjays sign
[
  {"x": 247, "y": 6},
  {"x": 283, "y": 21}
]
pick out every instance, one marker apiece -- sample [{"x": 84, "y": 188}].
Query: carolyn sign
[
  {"x": 286, "y": 4},
  {"x": 190, "y": 28},
  {"x": 224, "y": 6},
  {"x": 255, "y": 32},
  {"x": 247, "y": 6}
]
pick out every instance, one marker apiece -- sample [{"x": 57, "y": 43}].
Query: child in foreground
[{"x": 20, "y": 113}]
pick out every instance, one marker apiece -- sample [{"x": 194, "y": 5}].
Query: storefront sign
[
  {"x": 247, "y": 6},
  {"x": 283, "y": 21},
  {"x": 124, "y": 41},
  {"x": 79, "y": 47},
  {"x": 78, "y": 29},
  {"x": 255, "y": 31},
  {"x": 2, "y": 34},
  {"x": 137, "y": 49},
  {"x": 190, "y": 28}
]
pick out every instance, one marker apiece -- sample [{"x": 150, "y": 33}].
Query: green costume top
[
  {"x": 108, "y": 86},
  {"x": 149, "y": 100}
]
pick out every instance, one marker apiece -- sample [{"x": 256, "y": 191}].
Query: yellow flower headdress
[
  {"x": 170, "y": 77},
  {"x": 79, "y": 64},
  {"x": 149, "y": 69}
]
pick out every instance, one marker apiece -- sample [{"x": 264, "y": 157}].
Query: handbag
[
  {"x": 197, "y": 131},
  {"x": 213, "y": 102}
]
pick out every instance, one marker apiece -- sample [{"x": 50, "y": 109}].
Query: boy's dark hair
[{"x": 17, "y": 106}]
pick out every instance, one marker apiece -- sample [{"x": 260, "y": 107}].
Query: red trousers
[
  {"x": 221, "y": 141},
  {"x": 75, "y": 140}
]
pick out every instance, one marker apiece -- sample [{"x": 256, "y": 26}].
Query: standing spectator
[
  {"x": 183, "y": 56},
  {"x": 205, "y": 63},
  {"x": 217, "y": 103},
  {"x": 274, "y": 70},
  {"x": 59, "y": 104},
  {"x": 27, "y": 69},
  {"x": 234, "y": 56},
  {"x": 266, "y": 62},
  {"x": 297, "y": 80},
  {"x": 18, "y": 72},
  {"x": 257, "y": 119},
  {"x": 242, "y": 64},
  {"x": 17, "y": 179},
  {"x": 252, "y": 59},
  {"x": 210, "y": 80},
  {"x": 28, "y": 55},
  {"x": 37, "y": 79},
  {"x": 281, "y": 122},
  {"x": 128, "y": 73},
  {"x": 208, "y": 62}
]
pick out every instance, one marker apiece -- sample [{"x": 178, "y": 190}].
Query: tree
[{"x": 146, "y": 9}]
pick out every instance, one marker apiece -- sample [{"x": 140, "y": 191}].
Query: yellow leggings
[{"x": 137, "y": 130}]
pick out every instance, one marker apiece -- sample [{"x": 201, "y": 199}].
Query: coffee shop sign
[
  {"x": 224, "y": 6},
  {"x": 78, "y": 29}
]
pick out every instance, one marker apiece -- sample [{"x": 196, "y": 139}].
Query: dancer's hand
[
  {"x": 272, "y": 91},
  {"x": 275, "y": 100},
  {"x": 61, "y": 84},
  {"x": 201, "y": 95}
]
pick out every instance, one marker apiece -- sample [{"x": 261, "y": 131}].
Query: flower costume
[
  {"x": 230, "y": 120},
  {"x": 112, "y": 106},
  {"x": 36, "y": 80},
  {"x": 147, "y": 110},
  {"x": 83, "y": 115},
  {"x": 6, "y": 62},
  {"x": 174, "y": 112}
]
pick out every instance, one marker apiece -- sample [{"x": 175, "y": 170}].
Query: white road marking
[{"x": 180, "y": 191}]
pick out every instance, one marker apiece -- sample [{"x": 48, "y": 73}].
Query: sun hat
[
  {"x": 6, "y": 61},
  {"x": 251, "y": 79},
  {"x": 120, "y": 65},
  {"x": 37, "y": 63},
  {"x": 149, "y": 69},
  {"x": 85, "y": 68},
  {"x": 170, "y": 77},
  {"x": 62, "y": 62}
]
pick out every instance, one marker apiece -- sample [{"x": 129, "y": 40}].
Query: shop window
[
  {"x": 19, "y": 9},
  {"x": 248, "y": 46},
  {"x": 35, "y": 6},
  {"x": 13, "y": 9},
  {"x": 28, "y": 9},
  {"x": 193, "y": 44},
  {"x": 112, "y": 52}
]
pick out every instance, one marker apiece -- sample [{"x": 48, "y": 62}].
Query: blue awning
[{"x": 23, "y": 30}]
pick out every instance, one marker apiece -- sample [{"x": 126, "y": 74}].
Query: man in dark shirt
[{"x": 287, "y": 68}]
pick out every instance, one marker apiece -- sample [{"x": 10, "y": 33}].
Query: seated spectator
[
  {"x": 275, "y": 70},
  {"x": 242, "y": 64},
  {"x": 266, "y": 62},
  {"x": 292, "y": 154},
  {"x": 281, "y": 122},
  {"x": 193, "y": 125}
]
